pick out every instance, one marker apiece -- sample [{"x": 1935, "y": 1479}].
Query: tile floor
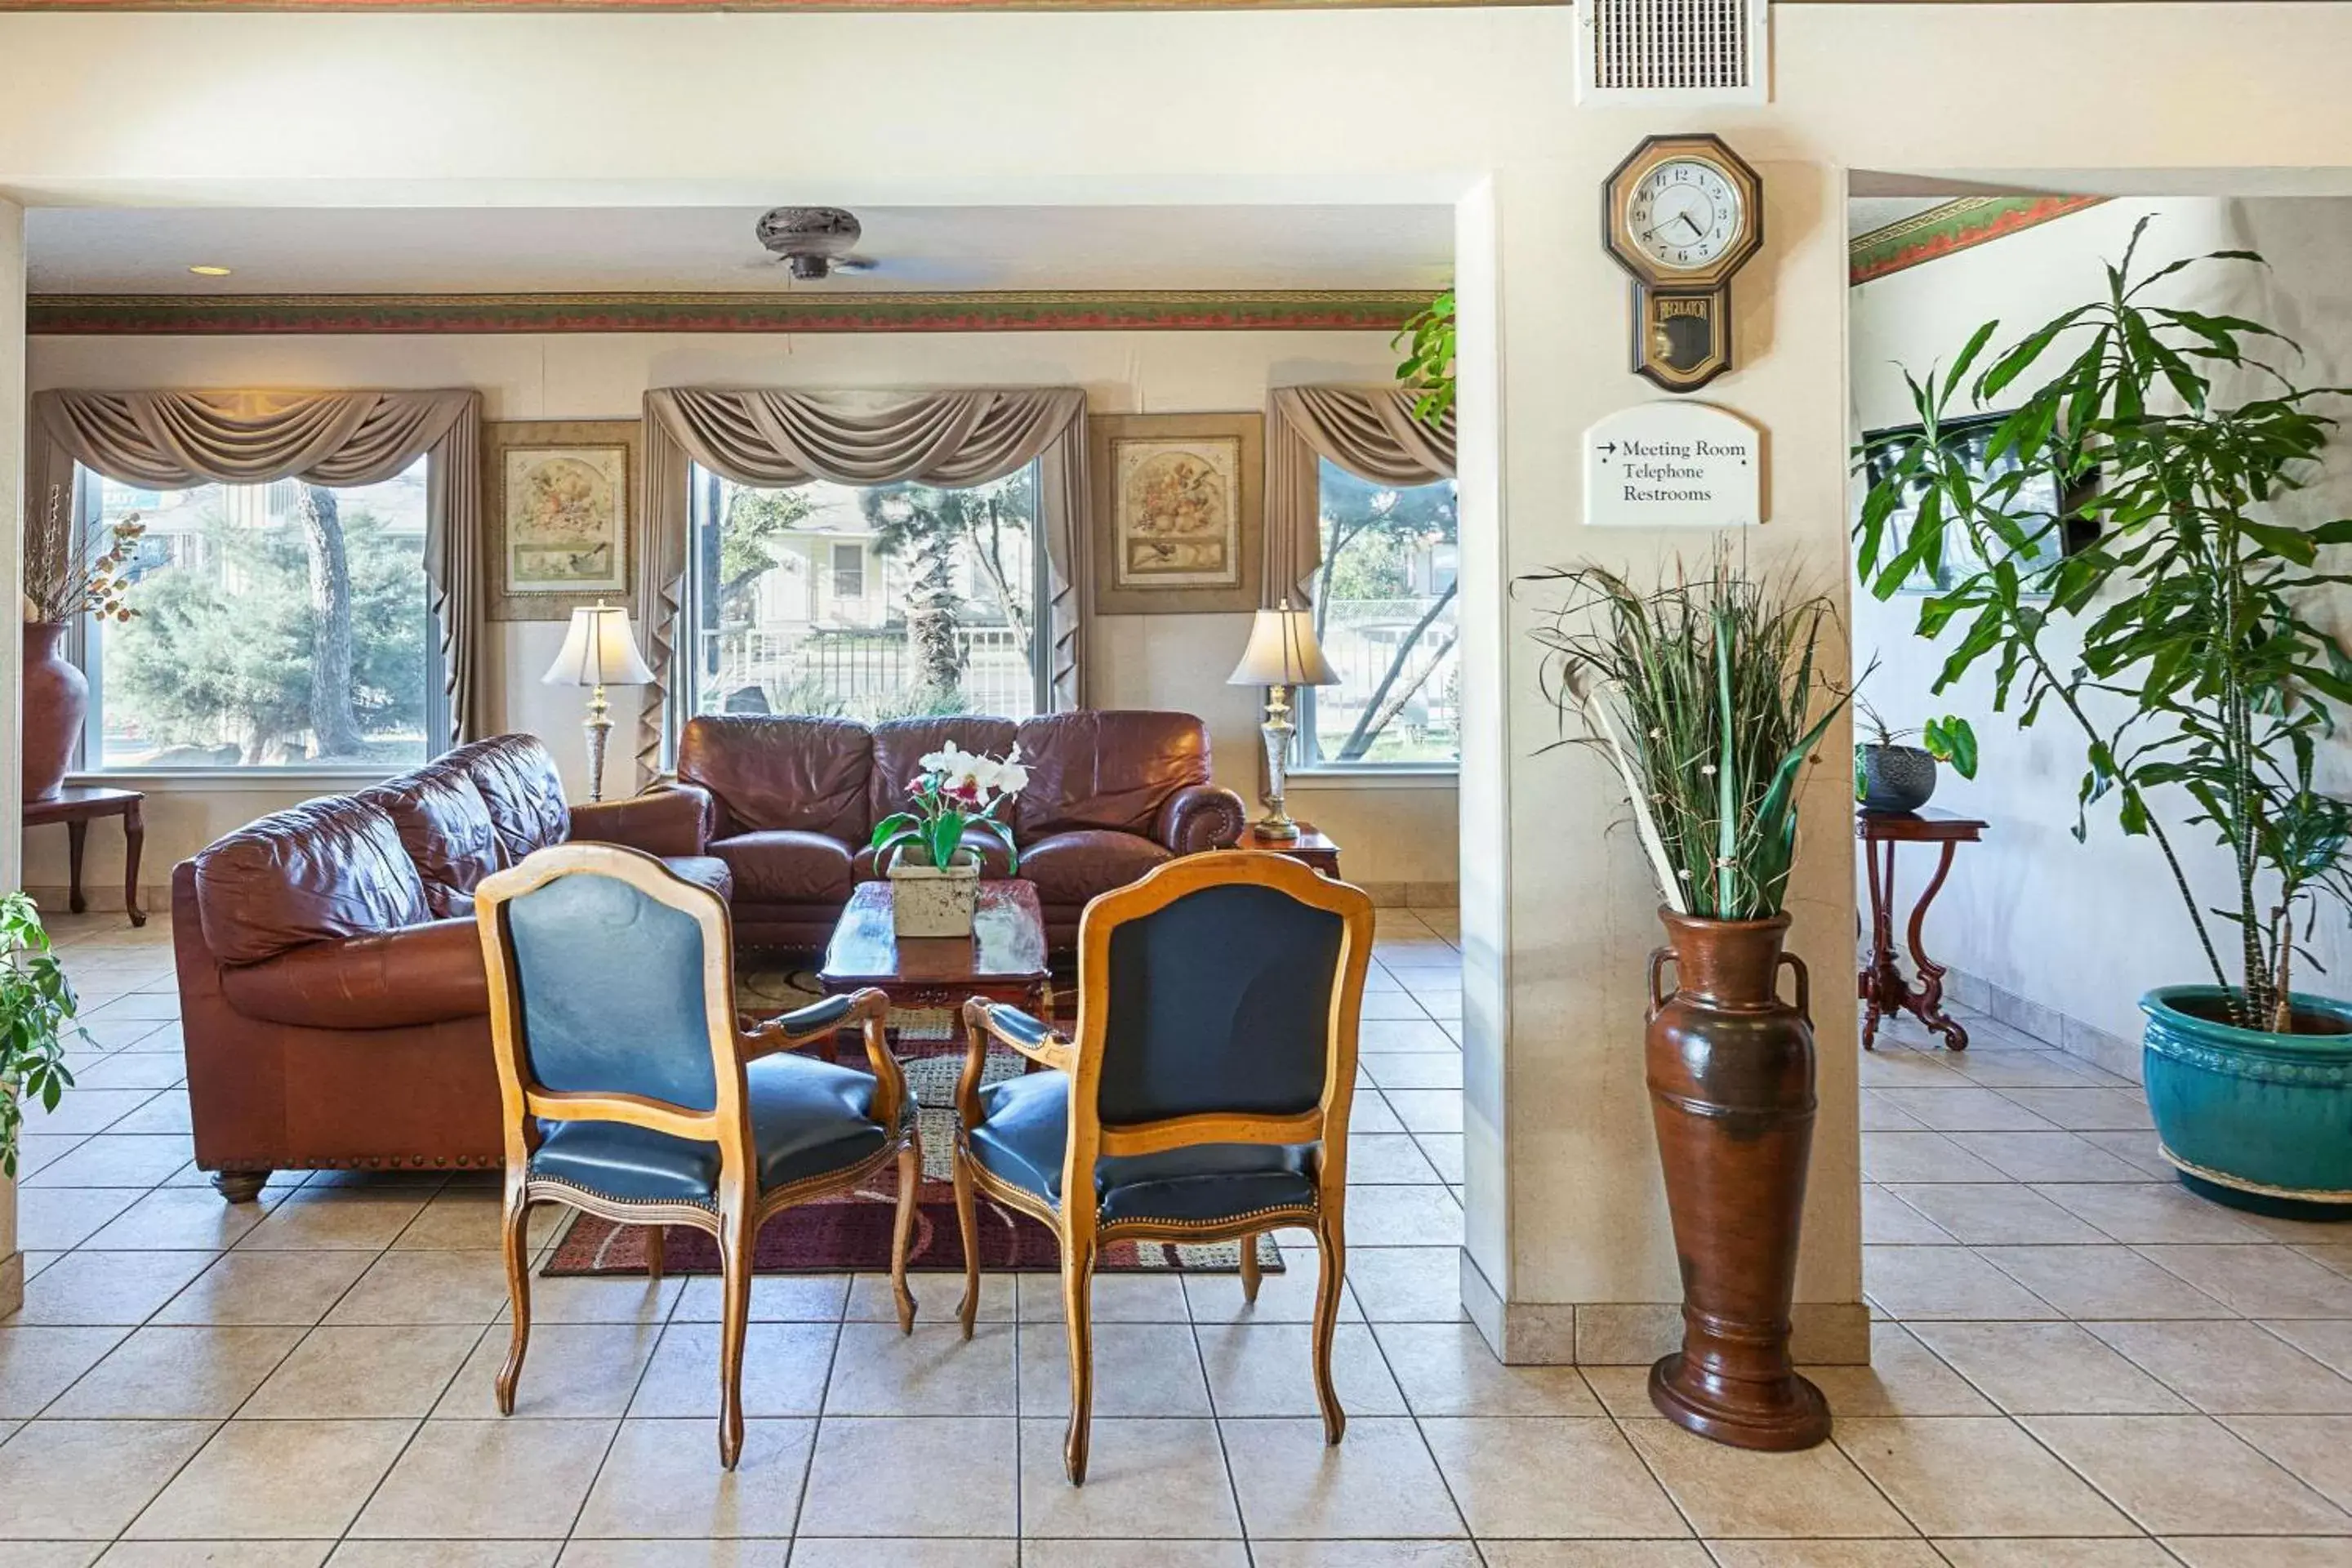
[{"x": 2078, "y": 1365}]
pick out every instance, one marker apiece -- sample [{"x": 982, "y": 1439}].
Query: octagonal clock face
[{"x": 1684, "y": 215}]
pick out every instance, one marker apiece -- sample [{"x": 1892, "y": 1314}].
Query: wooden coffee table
[{"x": 1002, "y": 959}]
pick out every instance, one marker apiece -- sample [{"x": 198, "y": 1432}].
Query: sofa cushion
[
  {"x": 1112, "y": 770},
  {"x": 785, "y": 866},
  {"x": 704, "y": 870},
  {"x": 326, "y": 868},
  {"x": 445, "y": 824},
  {"x": 803, "y": 775},
  {"x": 1071, "y": 867},
  {"x": 516, "y": 776},
  {"x": 901, "y": 744}
]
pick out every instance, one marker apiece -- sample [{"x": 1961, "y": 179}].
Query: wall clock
[{"x": 1682, "y": 213}]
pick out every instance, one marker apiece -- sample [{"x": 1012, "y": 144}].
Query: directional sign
[{"x": 1673, "y": 465}]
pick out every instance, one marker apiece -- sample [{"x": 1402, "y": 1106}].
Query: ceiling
[{"x": 502, "y": 250}]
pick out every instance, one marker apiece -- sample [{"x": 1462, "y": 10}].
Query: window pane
[
  {"x": 276, "y": 625},
  {"x": 1384, "y": 607},
  {"x": 866, "y": 603}
]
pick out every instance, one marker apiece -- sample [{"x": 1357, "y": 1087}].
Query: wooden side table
[
  {"x": 75, "y": 805},
  {"x": 1882, "y": 985},
  {"x": 1312, "y": 845}
]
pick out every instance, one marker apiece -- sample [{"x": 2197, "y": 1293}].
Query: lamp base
[
  {"x": 1277, "y": 825},
  {"x": 600, "y": 729}
]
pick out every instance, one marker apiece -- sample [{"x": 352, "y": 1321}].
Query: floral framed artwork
[
  {"x": 560, "y": 507},
  {"x": 1179, "y": 512}
]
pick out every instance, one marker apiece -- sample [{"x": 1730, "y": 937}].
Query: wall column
[{"x": 12, "y": 649}]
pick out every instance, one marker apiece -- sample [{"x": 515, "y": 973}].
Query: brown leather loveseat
[
  {"x": 792, "y": 803},
  {"x": 331, "y": 990}
]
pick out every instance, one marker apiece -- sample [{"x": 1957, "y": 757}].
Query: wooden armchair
[
  {"x": 630, "y": 1092},
  {"x": 1205, "y": 1096}
]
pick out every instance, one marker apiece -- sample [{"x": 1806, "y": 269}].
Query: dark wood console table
[
  {"x": 1882, "y": 988},
  {"x": 74, "y": 805},
  {"x": 1313, "y": 845}
]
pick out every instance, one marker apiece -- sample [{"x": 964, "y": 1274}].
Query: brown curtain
[
  {"x": 172, "y": 440},
  {"x": 950, "y": 439},
  {"x": 1371, "y": 431}
]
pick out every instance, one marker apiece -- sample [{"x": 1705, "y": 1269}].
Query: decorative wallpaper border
[
  {"x": 1954, "y": 226},
  {"x": 236, "y": 315}
]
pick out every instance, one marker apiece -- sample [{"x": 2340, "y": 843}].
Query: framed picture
[
  {"x": 560, "y": 504},
  {"x": 1179, "y": 512},
  {"x": 1970, "y": 438}
]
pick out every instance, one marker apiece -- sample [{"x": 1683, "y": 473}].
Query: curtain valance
[{"x": 1371, "y": 431}]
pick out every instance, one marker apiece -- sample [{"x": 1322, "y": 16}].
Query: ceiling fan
[{"x": 814, "y": 242}]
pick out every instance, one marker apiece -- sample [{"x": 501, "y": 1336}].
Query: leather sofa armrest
[
  {"x": 1200, "y": 818},
  {"x": 423, "y": 974},
  {"x": 669, "y": 819}
]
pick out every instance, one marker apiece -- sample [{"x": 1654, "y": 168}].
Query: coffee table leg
[
  {"x": 134, "y": 839},
  {"x": 77, "y": 835}
]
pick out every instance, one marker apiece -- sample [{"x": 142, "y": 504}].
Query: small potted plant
[
  {"x": 934, "y": 876},
  {"x": 1890, "y": 776},
  {"x": 37, "y": 1005}
]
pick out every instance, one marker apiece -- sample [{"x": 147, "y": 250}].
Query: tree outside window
[{"x": 1385, "y": 615}]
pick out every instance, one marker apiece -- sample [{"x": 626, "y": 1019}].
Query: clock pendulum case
[{"x": 1682, "y": 213}]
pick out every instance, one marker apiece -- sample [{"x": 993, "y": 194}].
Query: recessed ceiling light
[{"x": 210, "y": 271}]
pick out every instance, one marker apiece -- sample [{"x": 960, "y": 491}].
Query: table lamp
[
  {"x": 598, "y": 652},
  {"x": 1281, "y": 653}
]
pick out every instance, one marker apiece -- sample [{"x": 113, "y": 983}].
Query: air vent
[{"x": 1677, "y": 52}]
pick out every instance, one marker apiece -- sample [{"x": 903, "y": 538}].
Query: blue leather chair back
[
  {"x": 612, "y": 984},
  {"x": 1219, "y": 1002}
]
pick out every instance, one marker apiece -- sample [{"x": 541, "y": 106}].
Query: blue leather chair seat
[
  {"x": 1024, "y": 1129},
  {"x": 808, "y": 1117}
]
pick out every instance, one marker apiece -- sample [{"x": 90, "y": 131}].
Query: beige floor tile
[
  {"x": 2093, "y": 1282},
  {"x": 1446, "y": 1369},
  {"x": 1920, "y": 1157},
  {"x": 2335, "y": 1255},
  {"x": 1417, "y": 1070},
  {"x": 1379, "y": 1483},
  {"x": 2317, "y": 1449},
  {"x": 1585, "y": 1554},
  {"x": 1924, "y": 1282},
  {"x": 174, "y": 1374},
  {"x": 1155, "y": 1478},
  {"x": 2328, "y": 1342},
  {"x": 936, "y": 1296},
  {"x": 1892, "y": 1067},
  {"x": 1446, "y": 1154},
  {"x": 2267, "y": 1281},
  {"x": 2001, "y": 1067},
  {"x": 331, "y": 1218},
  {"x": 570, "y": 1371},
  {"x": 1389, "y": 1159},
  {"x": 1726, "y": 1491},
  {"x": 1974, "y": 1476},
  {"x": 1880, "y": 1114},
  {"x": 188, "y": 1219},
  {"x": 285, "y": 1480},
  {"x": 2086, "y": 1109},
  {"x": 1888, "y": 1221},
  {"x": 2137, "y": 1146},
  {"x": 1504, "y": 1473},
  {"x": 2056, "y": 1368},
  {"x": 1996, "y": 1214},
  {"x": 87, "y": 1110},
  {"x": 1268, "y": 1369},
  {"x": 2058, "y": 1156},
  {"x": 1141, "y": 1370},
  {"x": 467, "y": 1219},
  {"x": 120, "y": 1161},
  {"x": 2184, "y": 1475},
  {"x": 214, "y": 1554},
  {"x": 1405, "y": 1284},
  {"x": 1963, "y": 1108},
  {"x": 1426, "y": 1109},
  {"x": 362, "y": 1371},
  {"x": 166, "y": 1113},
  {"x": 585, "y": 1299},
  {"x": 513, "y": 1479},
  {"x": 1287, "y": 1296},
  {"x": 1625, "y": 1391},
  {"x": 813, "y": 1552},
  {"x": 2152, "y": 1212},
  {"x": 445, "y": 1554},
  {"x": 935, "y": 1371},
  {"x": 1148, "y": 1297},
  {"x": 783, "y": 1298},
  {"x": 1824, "y": 1554},
  {"x": 2230, "y": 1368},
  {"x": 88, "y": 1480},
  {"x": 1904, "y": 1378},
  {"x": 1036, "y": 1554},
  {"x": 429, "y": 1287},
  {"x": 664, "y": 1479},
  {"x": 858, "y": 1481},
  {"x": 1403, "y": 1216},
  {"x": 282, "y": 1288},
  {"x": 2273, "y": 1551},
  {"x": 2093, "y": 1554},
  {"x": 1392, "y": 1554},
  {"x": 784, "y": 1370},
  {"x": 54, "y": 1219},
  {"x": 37, "y": 1364},
  {"x": 106, "y": 1287}
]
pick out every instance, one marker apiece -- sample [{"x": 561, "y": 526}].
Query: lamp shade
[
  {"x": 599, "y": 651},
  {"x": 1283, "y": 652}
]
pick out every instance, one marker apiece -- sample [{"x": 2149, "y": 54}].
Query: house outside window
[
  {"x": 278, "y": 626},
  {"x": 869, "y": 603},
  {"x": 1385, "y": 615}
]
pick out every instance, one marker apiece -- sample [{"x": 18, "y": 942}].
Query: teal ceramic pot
[{"x": 2252, "y": 1118}]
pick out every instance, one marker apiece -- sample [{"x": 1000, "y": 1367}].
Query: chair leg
[
  {"x": 736, "y": 1235},
  {"x": 655, "y": 1236},
  {"x": 1077, "y": 1327},
  {"x": 514, "y": 1238},
  {"x": 968, "y": 1228},
  {"x": 1331, "y": 1253},
  {"x": 910, "y": 1179},
  {"x": 1250, "y": 1275}
]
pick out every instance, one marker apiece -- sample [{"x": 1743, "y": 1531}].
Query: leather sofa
[
  {"x": 791, "y": 802},
  {"x": 331, "y": 989}
]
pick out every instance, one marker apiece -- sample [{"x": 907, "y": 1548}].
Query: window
[
  {"x": 1384, "y": 613},
  {"x": 278, "y": 626},
  {"x": 866, "y": 603}
]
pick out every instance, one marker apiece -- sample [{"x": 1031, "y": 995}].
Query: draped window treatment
[
  {"x": 1371, "y": 431},
  {"x": 949, "y": 439},
  {"x": 175, "y": 440}
]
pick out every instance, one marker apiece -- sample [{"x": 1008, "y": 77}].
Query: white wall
[
  {"x": 1391, "y": 836},
  {"x": 2083, "y": 929}
]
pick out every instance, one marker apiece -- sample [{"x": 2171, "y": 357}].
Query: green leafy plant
[
  {"x": 1951, "y": 739},
  {"x": 36, "y": 1005},
  {"x": 2203, "y": 685},
  {"x": 1427, "y": 369},
  {"x": 1707, "y": 694},
  {"x": 956, "y": 791}
]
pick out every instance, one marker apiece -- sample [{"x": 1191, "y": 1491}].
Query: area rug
[{"x": 851, "y": 1233}]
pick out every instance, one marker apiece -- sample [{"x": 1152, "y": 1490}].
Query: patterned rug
[{"x": 851, "y": 1233}]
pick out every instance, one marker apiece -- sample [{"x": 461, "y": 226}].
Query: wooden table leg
[
  {"x": 134, "y": 839},
  {"x": 1928, "y": 999},
  {"x": 77, "y": 835},
  {"x": 1881, "y": 984}
]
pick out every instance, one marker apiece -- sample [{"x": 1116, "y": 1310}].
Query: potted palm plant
[
  {"x": 36, "y": 1005},
  {"x": 2203, "y": 687},
  {"x": 1706, "y": 695},
  {"x": 934, "y": 879}
]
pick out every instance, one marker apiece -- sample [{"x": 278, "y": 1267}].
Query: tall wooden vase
[
  {"x": 1732, "y": 1087},
  {"x": 56, "y": 698}
]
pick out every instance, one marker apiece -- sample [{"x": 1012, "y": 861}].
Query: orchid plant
[{"x": 957, "y": 791}]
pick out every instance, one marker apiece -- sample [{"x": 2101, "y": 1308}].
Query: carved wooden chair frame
[
  {"x": 1075, "y": 1224},
  {"x": 741, "y": 1208}
]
